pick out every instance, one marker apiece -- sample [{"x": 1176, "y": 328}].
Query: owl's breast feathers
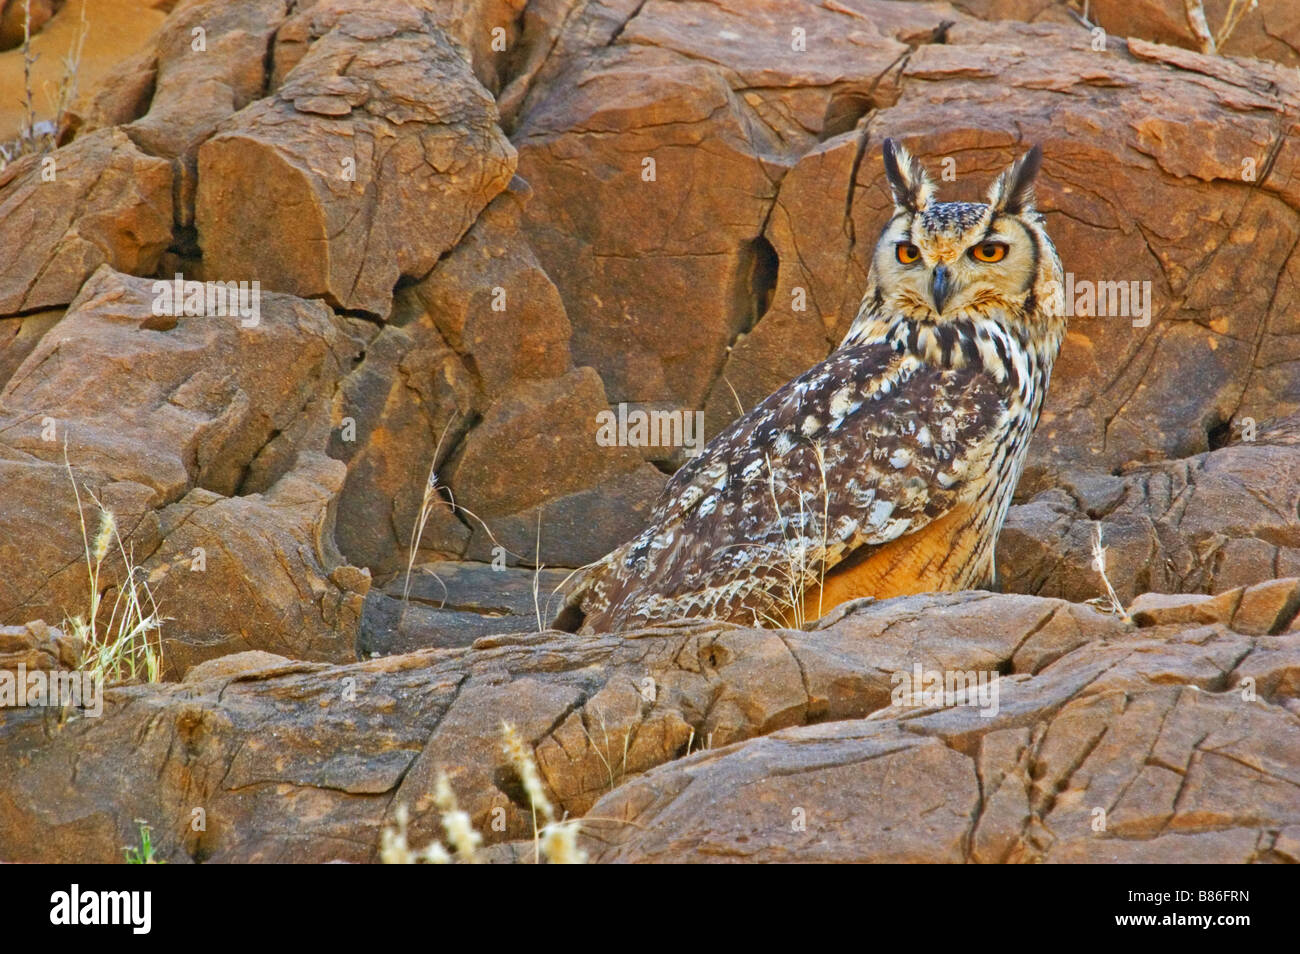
[{"x": 886, "y": 469}]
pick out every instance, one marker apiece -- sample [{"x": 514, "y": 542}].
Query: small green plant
[{"x": 142, "y": 855}]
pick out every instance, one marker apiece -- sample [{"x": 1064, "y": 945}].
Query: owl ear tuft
[
  {"x": 907, "y": 179},
  {"x": 1013, "y": 192}
]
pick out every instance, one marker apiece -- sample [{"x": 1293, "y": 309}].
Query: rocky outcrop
[
  {"x": 1179, "y": 731},
  {"x": 1159, "y": 775},
  {"x": 362, "y": 156},
  {"x": 374, "y": 156},
  {"x": 1269, "y": 29},
  {"x": 453, "y": 604},
  {"x": 197, "y": 434},
  {"x": 475, "y": 227},
  {"x": 1182, "y": 526},
  {"x": 38, "y": 646}
]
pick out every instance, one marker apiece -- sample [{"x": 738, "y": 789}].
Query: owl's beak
[{"x": 940, "y": 287}]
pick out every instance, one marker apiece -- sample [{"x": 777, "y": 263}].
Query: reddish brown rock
[
  {"x": 98, "y": 201},
  {"x": 1269, "y": 29},
  {"x": 680, "y": 293},
  {"x": 1087, "y": 710},
  {"x": 258, "y": 474},
  {"x": 210, "y": 62},
  {"x": 1121, "y": 768},
  {"x": 175, "y": 426},
  {"x": 1158, "y": 609},
  {"x": 485, "y": 318},
  {"x": 37, "y": 645},
  {"x": 495, "y": 306},
  {"x": 236, "y": 664},
  {"x": 450, "y": 605},
  {"x": 257, "y": 572},
  {"x": 489, "y": 30},
  {"x": 20, "y": 335},
  {"x": 794, "y": 283},
  {"x": 127, "y": 98},
  {"x": 373, "y": 157},
  {"x": 707, "y": 94},
  {"x": 1268, "y": 607},
  {"x": 1183, "y": 526},
  {"x": 535, "y": 451},
  {"x": 19, "y": 17}
]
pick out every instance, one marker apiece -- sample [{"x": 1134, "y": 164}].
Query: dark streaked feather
[{"x": 878, "y": 424}]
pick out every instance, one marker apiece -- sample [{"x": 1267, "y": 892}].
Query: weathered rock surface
[
  {"x": 447, "y": 605},
  {"x": 179, "y": 426},
  {"x": 773, "y": 280},
  {"x": 257, "y": 572},
  {"x": 364, "y": 162},
  {"x": 208, "y": 61},
  {"x": 98, "y": 201},
  {"x": 1206, "y": 524},
  {"x": 37, "y": 645},
  {"x": 1177, "y": 775},
  {"x": 19, "y": 336},
  {"x": 1270, "y": 29},
  {"x": 475, "y": 365},
  {"x": 479, "y": 224},
  {"x": 305, "y": 762},
  {"x": 236, "y": 664},
  {"x": 1110, "y": 401},
  {"x": 371, "y": 160}
]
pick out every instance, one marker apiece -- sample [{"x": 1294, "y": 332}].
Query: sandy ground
[{"x": 116, "y": 29}]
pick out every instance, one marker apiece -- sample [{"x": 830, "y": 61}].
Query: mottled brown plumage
[{"x": 887, "y": 468}]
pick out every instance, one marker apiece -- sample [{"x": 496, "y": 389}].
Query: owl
[{"x": 888, "y": 468}]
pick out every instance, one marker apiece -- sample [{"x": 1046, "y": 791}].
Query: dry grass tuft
[
  {"x": 556, "y": 841},
  {"x": 127, "y": 646},
  {"x": 1109, "y": 602}
]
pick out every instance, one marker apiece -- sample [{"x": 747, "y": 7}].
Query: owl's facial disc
[{"x": 954, "y": 260}]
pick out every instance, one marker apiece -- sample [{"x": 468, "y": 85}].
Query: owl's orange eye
[
  {"x": 908, "y": 253},
  {"x": 989, "y": 252}
]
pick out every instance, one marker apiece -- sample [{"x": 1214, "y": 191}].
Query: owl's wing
[{"x": 865, "y": 447}]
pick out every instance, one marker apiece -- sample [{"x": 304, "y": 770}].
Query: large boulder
[
  {"x": 372, "y": 158},
  {"x": 98, "y": 201}
]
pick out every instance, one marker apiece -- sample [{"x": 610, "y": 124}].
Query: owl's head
[{"x": 945, "y": 261}]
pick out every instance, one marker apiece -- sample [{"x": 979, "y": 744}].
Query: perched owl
[{"x": 888, "y": 468}]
